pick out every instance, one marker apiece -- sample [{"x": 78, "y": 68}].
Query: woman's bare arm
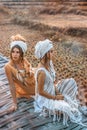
[
  {"x": 41, "y": 81},
  {"x": 11, "y": 84}
]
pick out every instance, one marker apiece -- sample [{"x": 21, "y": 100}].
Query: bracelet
[{"x": 55, "y": 97}]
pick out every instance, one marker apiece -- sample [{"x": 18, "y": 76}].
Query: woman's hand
[
  {"x": 59, "y": 97},
  {"x": 13, "y": 108}
]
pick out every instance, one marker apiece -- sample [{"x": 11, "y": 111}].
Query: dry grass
[{"x": 70, "y": 55}]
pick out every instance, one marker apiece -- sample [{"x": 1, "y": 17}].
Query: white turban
[
  {"x": 21, "y": 44},
  {"x": 42, "y": 47}
]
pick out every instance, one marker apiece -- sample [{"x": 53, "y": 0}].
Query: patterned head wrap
[
  {"x": 42, "y": 47},
  {"x": 21, "y": 44}
]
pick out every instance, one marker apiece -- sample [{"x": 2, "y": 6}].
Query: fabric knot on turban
[
  {"x": 21, "y": 44},
  {"x": 42, "y": 47}
]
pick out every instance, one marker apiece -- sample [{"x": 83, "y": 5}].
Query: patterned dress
[
  {"x": 69, "y": 105},
  {"x": 26, "y": 79}
]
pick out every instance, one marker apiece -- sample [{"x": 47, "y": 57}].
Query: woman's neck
[
  {"x": 45, "y": 64},
  {"x": 18, "y": 64}
]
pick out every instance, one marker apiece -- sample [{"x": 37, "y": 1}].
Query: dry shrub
[
  {"x": 4, "y": 10},
  {"x": 85, "y": 52},
  {"x": 53, "y": 10},
  {"x": 76, "y": 32}
]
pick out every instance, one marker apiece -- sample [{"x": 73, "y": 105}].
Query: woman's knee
[{"x": 72, "y": 80}]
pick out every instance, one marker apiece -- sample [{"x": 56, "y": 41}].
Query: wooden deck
[{"x": 24, "y": 117}]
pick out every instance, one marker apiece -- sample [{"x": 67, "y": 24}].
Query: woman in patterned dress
[{"x": 19, "y": 71}]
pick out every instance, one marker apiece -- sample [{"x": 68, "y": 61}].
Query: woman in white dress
[{"x": 45, "y": 90}]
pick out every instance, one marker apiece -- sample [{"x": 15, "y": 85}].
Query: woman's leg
[{"x": 67, "y": 87}]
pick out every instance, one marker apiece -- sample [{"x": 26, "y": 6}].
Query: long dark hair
[
  {"x": 20, "y": 51},
  {"x": 45, "y": 58}
]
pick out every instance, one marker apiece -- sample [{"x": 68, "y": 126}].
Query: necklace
[{"x": 22, "y": 71}]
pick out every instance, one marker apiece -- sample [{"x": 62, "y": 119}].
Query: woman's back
[{"x": 49, "y": 83}]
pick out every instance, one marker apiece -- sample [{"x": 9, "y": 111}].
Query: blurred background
[{"x": 62, "y": 21}]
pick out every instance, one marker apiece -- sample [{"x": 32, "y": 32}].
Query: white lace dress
[{"x": 69, "y": 105}]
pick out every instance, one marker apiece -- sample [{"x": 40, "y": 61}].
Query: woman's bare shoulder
[
  {"x": 8, "y": 64},
  {"x": 41, "y": 73},
  {"x": 27, "y": 62}
]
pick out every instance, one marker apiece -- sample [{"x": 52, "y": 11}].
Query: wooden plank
[
  {"x": 15, "y": 116},
  {"x": 24, "y": 117},
  {"x": 84, "y": 129},
  {"x": 23, "y": 121},
  {"x": 79, "y": 128}
]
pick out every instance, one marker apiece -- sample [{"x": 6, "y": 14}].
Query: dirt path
[{"x": 65, "y": 20}]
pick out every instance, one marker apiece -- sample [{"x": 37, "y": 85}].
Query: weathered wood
[
  {"x": 16, "y": 116},
  {"x": 24, "y": 118}
]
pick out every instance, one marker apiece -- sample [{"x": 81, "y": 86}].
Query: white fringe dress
[{"x": 67, "y": 87}]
